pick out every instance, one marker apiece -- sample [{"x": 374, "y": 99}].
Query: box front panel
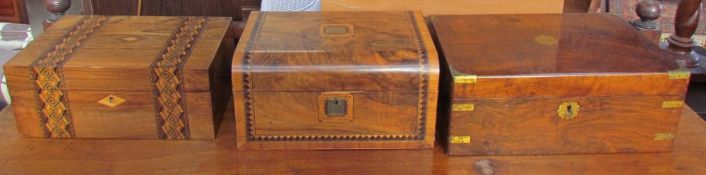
[
  {"x": 563, "y": 125},
  {"x": 326, "y": 120},
  {"x": 301, "y": 114},
  {"x": 117, "y": 114}
]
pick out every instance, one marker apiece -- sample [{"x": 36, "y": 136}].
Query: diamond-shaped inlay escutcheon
[
  {"x": 128, "y": 39},
  {"x": 111, "y": 101}
]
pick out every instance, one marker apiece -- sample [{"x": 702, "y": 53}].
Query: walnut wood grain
[
  {"x": 506, "y": 96},
  {"x": 36, "y": 156},
  {"x": 448, "y": 7},
  {"x": 162, "y": 77},
  {"x": 535, "y": 58},
  {"x": 650, "y": 84},
  {"x": 546, "y": 44},
  {"x": 533, "y": 126},
  {"x": 384, "y": 60}
]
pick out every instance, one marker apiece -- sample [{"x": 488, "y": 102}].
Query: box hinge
[
  {"x": 672, "y": 104},
  {"x": 465, "y": 79},
  {"x": 461, "y": 78},
  {"x": 679, "y": 74},
  {"x": 664, "y": 136},
  {"x": 459, "y": 139},
  {"x": 463, "y": 107}
]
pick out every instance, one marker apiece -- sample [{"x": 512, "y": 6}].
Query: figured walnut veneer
[
  {"x": 555, "y": 84},
  {"x": 388, "y": 65}
]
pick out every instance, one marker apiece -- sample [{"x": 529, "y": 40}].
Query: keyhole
[
  {"x": 110, "y": 99},
  {"x": 569, "y": 110}
]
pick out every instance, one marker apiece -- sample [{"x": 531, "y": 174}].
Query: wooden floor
[{"x": 41, "y": 156}]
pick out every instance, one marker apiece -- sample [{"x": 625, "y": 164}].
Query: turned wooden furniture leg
[
  {"x": 648, "y": 11},
  {"x": 595, "y": 6},
  {"x": 58, "y": 8},
  {"x": 685, "y": 24}
]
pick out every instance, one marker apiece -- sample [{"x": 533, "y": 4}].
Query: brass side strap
[
  {"x": 47, "y": 73},
  {"x": 168, "y": 77},
  {"x": 672, "y": 104},
  {"x": 679, "y": 74},
  {"x": 463, "y": 107}
]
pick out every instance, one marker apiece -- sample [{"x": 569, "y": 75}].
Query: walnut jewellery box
[
  {"x": 123, "y": 77},
  {"x": 335, "y": 80},
  {"x": 555, "y": 84}
]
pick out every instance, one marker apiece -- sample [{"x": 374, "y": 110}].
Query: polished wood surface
[
  {"x": 556, "y": 50},
  {"x": 133, "y": 60},
  {"x": 546, "y": 44},
  {"x": 127, "y": 46},
  {"x": 40, "y": 156},
  {"x": 520, "y": 69},
  {"x": 448, "y": 7},
  {"x": 384, "y": 63},
  {"x": 13, "y": 11},
  {"x": 532, "y": 126},
  {"x": 648, "y": 11}
]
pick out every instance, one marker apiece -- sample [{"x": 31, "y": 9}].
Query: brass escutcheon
[
  {"x": 336, "y": 29},
  {"x": 111, "y": 101},
  {"x": 568, "y": 110}
]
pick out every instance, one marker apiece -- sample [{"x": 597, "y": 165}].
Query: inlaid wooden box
[
  {"x": 123, "y": 77},
  {"x": 555, "y": 84},
  {"x": 335, "y": 80}
]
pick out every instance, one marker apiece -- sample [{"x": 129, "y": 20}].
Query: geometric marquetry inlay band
[
  {"x": 168, "y": 77},
  {"x": 46, "y": 72}
]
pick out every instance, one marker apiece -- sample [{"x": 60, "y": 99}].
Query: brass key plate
[{"x": 335, "y": 107}]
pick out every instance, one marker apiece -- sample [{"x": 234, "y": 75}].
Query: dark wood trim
[{"x": 20, "y": 13}]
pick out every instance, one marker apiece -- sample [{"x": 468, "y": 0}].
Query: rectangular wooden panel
[
  {"x": 133, "y": 119},
  {"x": 568, "y": 85},
  {"x": 534, "y": 125},
  {"x": 297, "y": 114}
]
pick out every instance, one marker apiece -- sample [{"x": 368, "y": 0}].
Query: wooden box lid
[
  {"x": 496, "y": 56},
  {"x": 122, "y": 53},
  {"x": 449, "y": 7},
  {"x": 334, "y": 51}
]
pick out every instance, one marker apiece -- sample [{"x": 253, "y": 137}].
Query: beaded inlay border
[
  {"x": 47, "y": 74},
  {"x": 168, "y": 78},
  {"x": 422, "y": 101}
]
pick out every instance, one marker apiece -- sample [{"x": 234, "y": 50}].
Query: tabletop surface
[{"x": 42, "y": 156}]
